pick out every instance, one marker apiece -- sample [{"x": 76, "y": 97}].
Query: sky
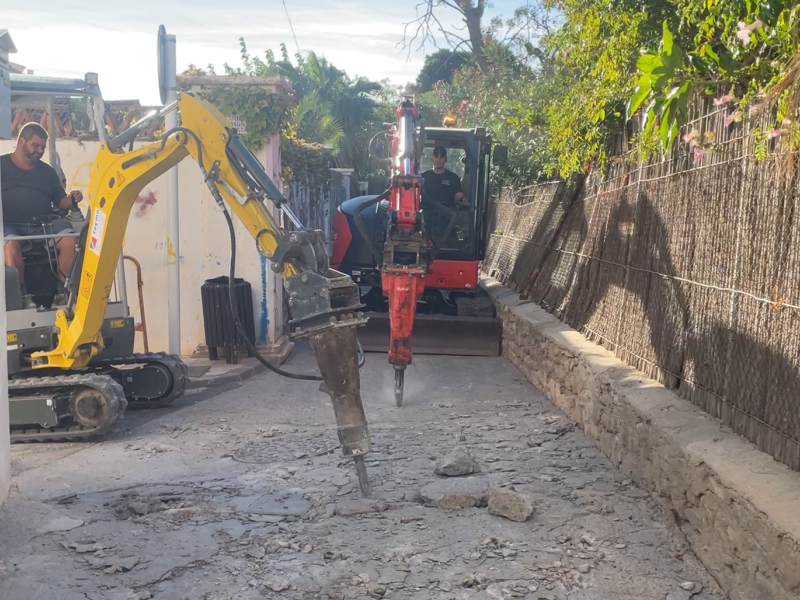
[{"x": 119, "y": 43}]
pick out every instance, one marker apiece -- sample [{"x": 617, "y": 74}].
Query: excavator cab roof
[{"x": 46, "y": 96}]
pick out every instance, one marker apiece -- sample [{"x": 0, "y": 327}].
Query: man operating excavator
[{"x": 32, "y": 193}]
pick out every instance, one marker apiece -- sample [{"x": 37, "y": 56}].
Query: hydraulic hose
[{"x": 240, "y": 328}]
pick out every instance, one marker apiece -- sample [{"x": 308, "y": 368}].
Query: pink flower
[
  {"x": 697, "y": 154},
  {"x": 463, "y": 107},
  {"x": 775, "y": 133},
  {"x": 724, "y": 99},
  {"x": 733, "y": 118},
  {"x": 745, "y": 30},
  {"x": 688, "y": 138},
  {"x": 438, "y": 84}
]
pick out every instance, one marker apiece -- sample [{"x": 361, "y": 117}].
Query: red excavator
[{"x": 417, "y": 260}]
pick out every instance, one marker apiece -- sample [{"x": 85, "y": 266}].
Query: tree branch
[{"x": 426, "y": 26}]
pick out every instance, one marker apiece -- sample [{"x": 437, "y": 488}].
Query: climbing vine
[
  {"x": 265, "y": 114},
  {"x": 304, "y": 162}
]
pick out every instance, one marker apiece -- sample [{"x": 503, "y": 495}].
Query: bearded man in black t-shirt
[{"x": 32, "y": 191}]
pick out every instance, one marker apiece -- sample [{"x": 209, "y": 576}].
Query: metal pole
[
  {"x": 122, "y": 287},
  {"x": 173, "y": 213},
  {"x": 51, "y": 132},
  {"x": 5, "y": 448}
]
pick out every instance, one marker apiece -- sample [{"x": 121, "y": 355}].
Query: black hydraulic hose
[{"x": 235, "y": 313}]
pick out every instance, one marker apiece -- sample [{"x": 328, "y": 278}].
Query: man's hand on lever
[{"x": 71, "y": 200}]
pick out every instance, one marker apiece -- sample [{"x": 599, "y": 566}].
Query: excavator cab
[{"x": 454, "y": 315}]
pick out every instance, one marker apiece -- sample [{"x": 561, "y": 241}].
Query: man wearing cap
[{"x": 442, "y": 185}]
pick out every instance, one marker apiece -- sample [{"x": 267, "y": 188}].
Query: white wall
[
  {"x": 204, "y": 245},
  {"x": 5, "y": 442}
]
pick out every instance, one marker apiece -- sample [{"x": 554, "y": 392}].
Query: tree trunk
[{"x": 472, "y": 17}]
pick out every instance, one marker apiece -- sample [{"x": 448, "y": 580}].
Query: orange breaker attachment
[
  {"x": 407, "y": 249},
  {"x": 403, "y": 287}
]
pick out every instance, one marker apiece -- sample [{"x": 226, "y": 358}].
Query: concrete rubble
[
  {"x": 510, "y": 504},
  {"x": 455, "y": 463},
  {"x": 254, "y": 500}
]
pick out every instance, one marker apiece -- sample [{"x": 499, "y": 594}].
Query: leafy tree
[
  {"x": 441, "y": 66},
  {"x": 332, "y": 109}
]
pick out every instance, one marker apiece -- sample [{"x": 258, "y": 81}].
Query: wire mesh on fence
[{"x": 687, "y": 268}]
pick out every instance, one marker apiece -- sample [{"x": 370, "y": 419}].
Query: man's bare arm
[{"x": 70, "y": 199}]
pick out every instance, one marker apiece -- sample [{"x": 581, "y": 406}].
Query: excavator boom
[{"x": 324, "y": 303}]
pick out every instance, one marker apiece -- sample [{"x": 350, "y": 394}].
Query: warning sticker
[
  {"x": 96, "y": 235},
  {"x": 86, "y": 289},
  {"x": 120, "y": 178}
]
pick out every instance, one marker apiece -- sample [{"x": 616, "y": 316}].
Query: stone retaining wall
[{"x": 739, "y": 508}]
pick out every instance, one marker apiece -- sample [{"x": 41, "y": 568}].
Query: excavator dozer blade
[{"x": 437, "y": 334}]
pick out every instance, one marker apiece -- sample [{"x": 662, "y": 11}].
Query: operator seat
[{"x": 41, "y": 265}]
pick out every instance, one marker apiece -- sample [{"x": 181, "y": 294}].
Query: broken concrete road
[{"x": 244, "y": 495}]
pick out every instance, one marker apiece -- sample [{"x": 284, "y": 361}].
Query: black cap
[{"x": 440, "y": 150}]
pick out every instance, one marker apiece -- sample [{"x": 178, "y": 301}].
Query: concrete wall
[
  {"x": 736, "y": 506},
  {"x": 204, "y": 248}
]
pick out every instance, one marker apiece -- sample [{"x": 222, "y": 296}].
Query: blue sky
[{"x": 120, "y": 43}]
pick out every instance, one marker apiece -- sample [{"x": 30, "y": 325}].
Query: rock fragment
[
  {"x": 512, "y": 505},
  {"x": 277, "y": 584},
  {"x": 61, "y": 524},
  {"x": 456, "y": 494},
  {"x": 456, "y": 463},
  {"x": 359, "y": 506}
]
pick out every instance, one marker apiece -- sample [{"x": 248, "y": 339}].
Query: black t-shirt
[
  {"x": 441, "y": 187},
  {"x": 28, "y": 193}
]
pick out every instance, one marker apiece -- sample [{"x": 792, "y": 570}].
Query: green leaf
[
  {"x": 707, "y": 50},
  {"x": 667, "y": 39},
  {"x": 664, "y": 129},
  {"x": 652, "y": 111},
  {"x": 660, "y": 76},
  {"x": 684, "y": 94},
  {"x": 726, "y": 63},
  {"x": 599, "y": 116},
  {"x": 648, "y": 62},
  {"x": 641, "y": 92}
]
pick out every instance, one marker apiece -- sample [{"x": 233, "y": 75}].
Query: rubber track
[
  {"x": 177, "y": 369},
  {"x": 105, "y": 384}
]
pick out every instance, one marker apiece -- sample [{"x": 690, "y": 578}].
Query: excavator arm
[{"x": 324, "y": 303}]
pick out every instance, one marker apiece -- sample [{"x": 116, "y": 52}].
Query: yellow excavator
[{"x": 70, "y": 381}]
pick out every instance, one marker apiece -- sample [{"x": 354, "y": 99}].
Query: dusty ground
[{"x": 243, "y": 494}]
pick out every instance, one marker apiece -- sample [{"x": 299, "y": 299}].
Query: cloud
[{"x": 358, "y": 36}]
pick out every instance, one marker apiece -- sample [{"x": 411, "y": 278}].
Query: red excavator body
[{"x": 419, "y": 272}]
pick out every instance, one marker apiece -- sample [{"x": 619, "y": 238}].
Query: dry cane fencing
[{"x": 687, "y": 268}]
